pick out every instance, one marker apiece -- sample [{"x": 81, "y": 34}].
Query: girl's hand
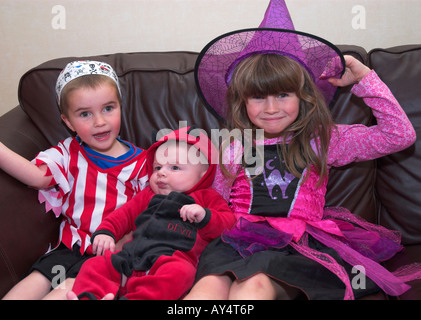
[
  {"x": 102, "y": 243},
  {"x": 355, "y": 71},
  {"x": 192, "y": 212}
]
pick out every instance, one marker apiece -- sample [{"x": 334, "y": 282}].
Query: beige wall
[{"x": 32, "y": 32}]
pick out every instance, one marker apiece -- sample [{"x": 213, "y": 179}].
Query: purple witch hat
[{"x": 276, "y": 34}]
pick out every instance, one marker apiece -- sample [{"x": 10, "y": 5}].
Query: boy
[{"x": 83, "y": 178}]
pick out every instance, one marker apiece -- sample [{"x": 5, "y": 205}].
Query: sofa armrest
[{"x": 26, "y": 231}]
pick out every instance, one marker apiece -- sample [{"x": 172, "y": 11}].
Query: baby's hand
[
  {"x": 192, "y": 212},
  {"x": 102, "y": 243}
]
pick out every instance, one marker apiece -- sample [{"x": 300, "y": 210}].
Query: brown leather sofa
[{"x": 159, "y": 91}]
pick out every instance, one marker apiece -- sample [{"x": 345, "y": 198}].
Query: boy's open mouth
[{"x": 102, "y": 135}]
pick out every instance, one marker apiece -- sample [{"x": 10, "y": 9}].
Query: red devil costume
[{"x": 160, "y": 262}]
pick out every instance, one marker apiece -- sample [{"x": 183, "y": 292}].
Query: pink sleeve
[{"x": 393, "y": 132}]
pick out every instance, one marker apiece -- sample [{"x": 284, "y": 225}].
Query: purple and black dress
[{"x": 284, "y": 230}]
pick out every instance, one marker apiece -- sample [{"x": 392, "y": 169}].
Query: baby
[{"x": 173, "y": 220}]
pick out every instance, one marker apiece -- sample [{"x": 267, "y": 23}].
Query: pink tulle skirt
[{"x": 362, "y": 245}]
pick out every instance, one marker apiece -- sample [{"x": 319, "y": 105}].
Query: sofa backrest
[
  {"x": 159, "y": 91},
  {"x": 398, "y": 181},
  {"x": 352, "y": 186}
]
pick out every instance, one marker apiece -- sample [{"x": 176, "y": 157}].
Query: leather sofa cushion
[
  {"x": 352, "y": 186},
  {"x": 158, "y": 91},
  {"x": 399, "y": 175}
]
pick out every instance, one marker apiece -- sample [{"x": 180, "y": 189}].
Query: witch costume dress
[{"x": 283, "y": 228}]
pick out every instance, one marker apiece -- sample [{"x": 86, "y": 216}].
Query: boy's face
[
  {"x": 95, "y": 115},
  {"x": 173, "y": 171}
]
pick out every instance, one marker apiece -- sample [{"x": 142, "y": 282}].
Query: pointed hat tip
[{"x": 277, "y": 16}]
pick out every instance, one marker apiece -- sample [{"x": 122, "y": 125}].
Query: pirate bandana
[{"x": 82, "y": 68}]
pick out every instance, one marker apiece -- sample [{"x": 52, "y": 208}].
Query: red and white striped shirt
[{"x": 83, "y": 193}]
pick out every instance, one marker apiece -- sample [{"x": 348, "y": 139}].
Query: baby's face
[{"x": 173, "y": 170}]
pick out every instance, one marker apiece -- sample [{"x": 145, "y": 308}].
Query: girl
[
  {"x": 285, "y": 242},
  {"x": 83, "y": 178}
]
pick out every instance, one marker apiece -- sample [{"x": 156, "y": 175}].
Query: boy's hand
[
  {"x": 355, "y": 71},
  {"x": 102, "y": 243},
  {"x": 192, "y": 212}
]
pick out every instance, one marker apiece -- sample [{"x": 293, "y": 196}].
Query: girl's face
[
  {"x": 273, "y": 113},
  {"x": 95, "y": 115}
]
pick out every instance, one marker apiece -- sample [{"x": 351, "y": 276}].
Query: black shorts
[{"x": 61, "y": 263}]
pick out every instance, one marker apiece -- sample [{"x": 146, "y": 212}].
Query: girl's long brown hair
[{"x": 272, "y": 74}]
